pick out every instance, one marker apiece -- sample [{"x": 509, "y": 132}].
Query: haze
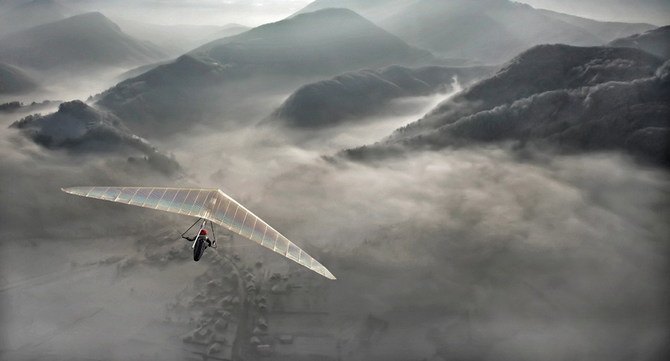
[
  {"x": 486, "y": 180},
  {"x": 254, "y": 13},
  {"x": 198, "y": 12}
]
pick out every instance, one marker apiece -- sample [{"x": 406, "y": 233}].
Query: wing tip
[
  {"x": 74, "y": 190},
  {"x": 329, "y": 275}
]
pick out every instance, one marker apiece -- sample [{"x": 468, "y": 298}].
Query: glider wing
[{"x": 210, "y": 204}]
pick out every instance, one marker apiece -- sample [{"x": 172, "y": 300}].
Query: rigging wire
[{"x": 189, "y": 228}]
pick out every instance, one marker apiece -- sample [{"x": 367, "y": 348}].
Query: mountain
[
  {"x": 169, "y": 98},
  {"x": 81, "y": 129},
  {"x": 178, "y": 39},
  {"x": 356, "y": 94},
  {"x": 13, "y": 80},
  {"x": 325, "y": 42},
  {"x": 605, "y": 30},
  {"x": 32, "y": 13},
  {"x": 279, "y": 57},
  {"x": 650, "y": 11},
  {"x": 574, "y": 99},
  {"x": 89, "y": 40},
  {"x": 226, "y": 31},
  {"x": 655, "y": 42},
  {"x": 542, "y": 69},
  {"x": 490, "y": 31},
  {"x": 375, "y": 10}
]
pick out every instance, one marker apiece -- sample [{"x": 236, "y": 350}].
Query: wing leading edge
[{"x": 210, "y": 204}]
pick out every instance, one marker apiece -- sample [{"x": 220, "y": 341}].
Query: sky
[
  {"x": 258, "y": 12},
  {"x": 198, "y": 12}
]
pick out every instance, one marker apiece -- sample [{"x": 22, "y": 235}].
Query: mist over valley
[{"x": 488, "y": 180}]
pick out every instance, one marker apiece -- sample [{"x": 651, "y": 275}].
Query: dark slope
[
  {"x": 81, "y": 129},
  {"x": 542, "y": 69},
  {"x": 168, "y": 98},
  {"x": 488, "y": 30},
  {"x": 31, "y": 13},
  {"x": 88, "y": 40},
  {"x": 325, "y": 42},
  {"x": 14, "y": 81},
  {"x": 655, "y": 42},
  {"x": 355, "y": 94},
  {"x": 570, "y": 98}
]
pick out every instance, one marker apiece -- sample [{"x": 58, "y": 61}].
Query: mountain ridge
[
  {"x": 584, "y": 99},
  {"x": 14, "y": 81},
  {"x": 285, "y": 54},
  {"x": 81, "y": 129},
  {"x": 352, "y": 95},
  {"x": 85, "y": 40},
  {"x": 653, "y": 42},
  {"x": 446, "y": 28},
  {"x": 30, "y": 14},
  {"x": 177, "y": 39},
  {"x": 313, "y": 44}
]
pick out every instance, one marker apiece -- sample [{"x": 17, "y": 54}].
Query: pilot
[{"x": 203, "y": 236}]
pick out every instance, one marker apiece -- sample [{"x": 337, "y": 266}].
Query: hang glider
[{"x": 209, "y": 204}]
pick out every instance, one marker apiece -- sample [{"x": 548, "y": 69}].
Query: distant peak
[
  {"x": 330, "y": 12},
  {"x": 332, "y": 16},
  {"x": 94, "y": 18},
  {"x": 73, "y": 107},
  {"x": 327, "y": 13},
  {"x": 91, "y": 15}
]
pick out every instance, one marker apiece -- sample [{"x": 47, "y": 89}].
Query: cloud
[
  {"x": 521, "y": 257},
  {"x": 473, "y": 252},
  {"x": 32, "y": 177},
  {"x": 463, "y": 253}
]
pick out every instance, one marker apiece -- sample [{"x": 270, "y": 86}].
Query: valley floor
[{"x": 61, "y": 301}]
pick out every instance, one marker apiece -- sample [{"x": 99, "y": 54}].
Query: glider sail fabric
[{"x": 210, "y": 204}]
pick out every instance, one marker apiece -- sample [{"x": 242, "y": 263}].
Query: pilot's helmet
[{"x": 203, "y": 232}]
